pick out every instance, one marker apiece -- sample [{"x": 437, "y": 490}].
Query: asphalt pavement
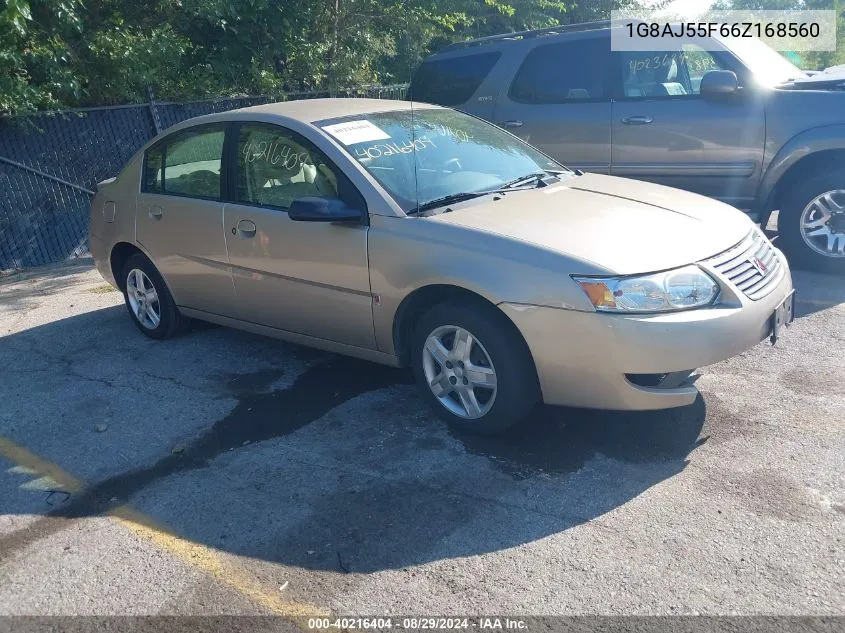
[{"x": 225, "y": 473}]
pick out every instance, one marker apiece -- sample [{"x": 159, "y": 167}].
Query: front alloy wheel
[
  {"x": 473, "y": 366},
  {"x": 459, "y": 372}
]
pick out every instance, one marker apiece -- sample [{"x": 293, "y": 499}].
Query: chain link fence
[{"x": 50, "y": 165}]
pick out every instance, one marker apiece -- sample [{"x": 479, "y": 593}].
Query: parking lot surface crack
[{"x": 256, "y": 418}]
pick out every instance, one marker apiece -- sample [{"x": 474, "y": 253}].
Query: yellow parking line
[
  {"x": 23, "y": 457},
  {"x": 206, "y": 559}
]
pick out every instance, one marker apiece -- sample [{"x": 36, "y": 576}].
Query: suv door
[
  {"x": 559, "y": 101},
  {"x": 306, "y": 277},
  {"x": 665, "y": 131},
  {"x": 179, "y": 217}
]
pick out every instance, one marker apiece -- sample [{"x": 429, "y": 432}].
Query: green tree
[
  {"x": 811, "y": 60},
  {"x": 57, "y": 53}
]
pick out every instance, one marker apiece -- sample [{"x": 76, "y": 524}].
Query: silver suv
[{"x": 737, "y": 121}]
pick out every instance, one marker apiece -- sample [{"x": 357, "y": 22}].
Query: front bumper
[{"x": 582, "y": 358}]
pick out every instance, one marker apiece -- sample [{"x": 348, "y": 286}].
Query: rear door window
[
  {"x": 450, "y": 82},
  {"x": 188, "y": 163},
  {"x": 564, "y": 72},
  {"x": 192, "y": 164}
]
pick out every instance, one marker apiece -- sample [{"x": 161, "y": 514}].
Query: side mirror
[
  {"x": 719, "y": 83},
  {"x": 315, "y": 209}
]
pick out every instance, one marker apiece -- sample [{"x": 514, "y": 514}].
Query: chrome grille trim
[{"x": 735, "y": 265}]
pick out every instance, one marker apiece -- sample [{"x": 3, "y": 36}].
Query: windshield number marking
[
  {"x": 461, "y": 136},
  {"x": 390, "y": 149}
]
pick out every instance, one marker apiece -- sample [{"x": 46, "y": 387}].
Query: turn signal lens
[
  {"x": 599, "y": 293},
  {"x": 680, "y": 289}
]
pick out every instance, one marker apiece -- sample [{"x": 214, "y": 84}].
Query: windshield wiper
[
  {"x": 452, "y": 198},
  {"x": 535, "y": 178}
]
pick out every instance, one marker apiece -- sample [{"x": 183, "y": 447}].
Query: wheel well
[
  {"x": 119, "y": 254},
  {"x": 811, "y": 164},
  {"x": 419, "y": 301}
]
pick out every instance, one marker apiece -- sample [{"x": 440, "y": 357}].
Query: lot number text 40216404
[{"x": 417, "y": 623}]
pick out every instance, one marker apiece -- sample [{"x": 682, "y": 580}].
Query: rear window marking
[{"x": 354, "y": 132}]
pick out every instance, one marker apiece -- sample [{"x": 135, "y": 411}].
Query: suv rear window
[
  {"x": 452, "y": 81},
  {"x": 563, "y": 72}
]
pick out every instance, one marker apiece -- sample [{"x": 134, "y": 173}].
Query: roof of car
[{"x": 310, "y": 110}]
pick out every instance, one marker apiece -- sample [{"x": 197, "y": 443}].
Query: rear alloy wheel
[
  {"x": 143, "y": 299},
  {"x": 473, "y": 367},
  {"x": 812, "y": 223},
  {"x": 148, "y": 299}
]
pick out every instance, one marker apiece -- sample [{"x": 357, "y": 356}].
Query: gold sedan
[{"x": 417, "y": 235}]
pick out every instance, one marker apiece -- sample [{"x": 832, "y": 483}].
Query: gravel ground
[{"x": 225, "y": 473}]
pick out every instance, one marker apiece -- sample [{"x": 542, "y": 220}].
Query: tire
[
  {"x": 138, "y": 269},
  {"x": 496, "y": 348},
  {"x": 796, "y": 212}
]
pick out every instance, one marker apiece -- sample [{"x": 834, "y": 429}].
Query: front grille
[{"x": 737, "y": 265}]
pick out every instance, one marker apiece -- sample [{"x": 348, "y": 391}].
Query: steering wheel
[{"x": 452, "y": 161}]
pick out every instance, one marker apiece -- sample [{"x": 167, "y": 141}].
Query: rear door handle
[
  {"x": 637, "y": 120},
  {"x": 512, "y": 123},
  {"x": 155, "y": 213},
  {"x": 245, "y": 229}
]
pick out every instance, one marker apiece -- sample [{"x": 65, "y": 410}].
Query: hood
[
  {"x": 829, "y": 78},
  {"x": 623, "y": 226}
]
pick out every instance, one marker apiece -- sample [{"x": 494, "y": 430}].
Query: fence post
[{"x": 153, "y": 111}]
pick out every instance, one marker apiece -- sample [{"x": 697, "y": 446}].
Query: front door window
[{"x": 276, "y": 166}]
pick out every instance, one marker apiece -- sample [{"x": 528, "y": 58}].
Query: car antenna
[{"x": 413, "y": 132}]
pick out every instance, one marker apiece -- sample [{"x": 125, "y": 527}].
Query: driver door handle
[
  {"x": 512, "y": 123},
  {"x": 245, "y": 229},
  {"x": 637, "y": 120}
]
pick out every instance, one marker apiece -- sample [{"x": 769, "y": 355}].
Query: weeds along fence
[{"x": 50, "y": 165}]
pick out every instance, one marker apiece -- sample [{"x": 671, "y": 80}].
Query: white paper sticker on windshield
[{"x": 352, "y": 132}]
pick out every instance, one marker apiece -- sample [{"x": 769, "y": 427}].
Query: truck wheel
[
  {"x": 812, "y": 223},
  {"x": 473, "y": 368}
]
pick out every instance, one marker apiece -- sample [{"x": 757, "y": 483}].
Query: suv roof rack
[{"x": 521, "y": 35}]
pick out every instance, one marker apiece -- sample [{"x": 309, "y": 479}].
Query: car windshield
[
  {"x": 428, "y": 155},
  {"x": 769, "y": 67}
]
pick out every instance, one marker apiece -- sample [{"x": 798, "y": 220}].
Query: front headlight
[{"x": 680, "y": 289}]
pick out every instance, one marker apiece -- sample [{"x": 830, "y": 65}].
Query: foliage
[
  {"x": 816, "y": 60},
  {"x": 58, "y": 53}
]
